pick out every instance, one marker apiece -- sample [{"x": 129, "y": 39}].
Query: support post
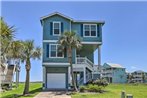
[
  {"x": 17, "y": 78},
  {"x": 123, "y": 94},
  {"x": 99, "y": 55},
  {"x": 84, "y": 74},
  {"x": 69, "y": 77},
  {"x": 99, "y": 60},
  {"x": 44, "y": 78},
  {"x": 129, "y": 96}
]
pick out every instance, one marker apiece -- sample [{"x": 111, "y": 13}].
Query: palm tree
[
  {"x": 6, "y": 37},
  {"x": 70, "y": 40},
  {"x": 29, "y": 52},
  {"x": 15, "y": 53}
]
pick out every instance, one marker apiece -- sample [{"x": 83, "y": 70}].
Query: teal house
[
  {"x": 114, "y": 73},
  {"x": 56, "y": 69}
]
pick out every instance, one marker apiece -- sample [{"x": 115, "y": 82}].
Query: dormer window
[
  {"x": 56, "y": 28},
  {"x": 90, "y": 30}
]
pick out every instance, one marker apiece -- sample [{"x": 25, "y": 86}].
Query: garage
[{"x": 56, "y": 80}]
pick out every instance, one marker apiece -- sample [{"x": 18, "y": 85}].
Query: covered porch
[{"x": 84, "y": 62}]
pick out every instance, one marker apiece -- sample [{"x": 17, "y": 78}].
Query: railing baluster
[{"x": 84, "y": 60}]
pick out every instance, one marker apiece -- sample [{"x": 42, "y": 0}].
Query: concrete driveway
[{"x": 52, "y": 94}]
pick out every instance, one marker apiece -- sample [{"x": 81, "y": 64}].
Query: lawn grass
[
  {"x": 35, "y": 88},
  {"x": 114, "y": 91}
]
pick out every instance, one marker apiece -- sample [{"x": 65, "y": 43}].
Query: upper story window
[
  {"x": 55, "y": 51},
  {"x": 90, "y": 30},
  {"x": 56, "y": 28}
]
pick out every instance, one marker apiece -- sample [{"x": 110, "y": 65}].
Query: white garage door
[{"x": 56, "y": 80}]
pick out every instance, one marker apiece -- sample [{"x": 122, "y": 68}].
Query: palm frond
[
  {"x": 36, "y": 53},
  {"x": 70, "y": 39}
]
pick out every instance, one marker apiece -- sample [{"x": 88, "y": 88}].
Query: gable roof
[
  {"x": 55, "y": 13},
  {"x": 60, "y": 14},
  {"x": 139, "y": 71},
  {"x": 114, "y": 65}
]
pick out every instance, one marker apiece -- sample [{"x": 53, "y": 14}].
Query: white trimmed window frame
[
  {"x": 56, "y": 51},
  {"x": 56, "y": 28},
  {"x": 89, "y": 30}
]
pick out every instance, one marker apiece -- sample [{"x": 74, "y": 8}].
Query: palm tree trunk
[
  {"x": 72, "y": 73},
  {"x": 26, "y": 89}
]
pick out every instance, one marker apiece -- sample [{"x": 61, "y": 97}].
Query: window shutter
[
  {"x": 65, "y": 52},
  {"x": 51, "y": 28},
  {"x": 81, "y": 29},
  {"x": 62, "y": 27},
  {"x": 98, "y": 30},
  {"x": 47, "y": 50}
]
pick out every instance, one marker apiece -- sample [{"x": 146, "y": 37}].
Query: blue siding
[
  {"x": 78, "y": 28},
  {"x": 56, "y": 60},
  {"x": 119, "y": 74},
  {"x": 52, "y": 60},
  {"x": 65, "y": 26},
  {"x": 47, "y": 35}
]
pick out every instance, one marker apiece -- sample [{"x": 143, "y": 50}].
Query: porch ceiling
[{"x": 89, "y": 47}]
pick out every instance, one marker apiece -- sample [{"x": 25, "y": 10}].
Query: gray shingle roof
[
  {"x": 114, "y": 65},
  {"x": 83, "y": 21}
]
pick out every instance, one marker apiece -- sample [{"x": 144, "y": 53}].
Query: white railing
[
  {"x": 84, "y": 60},
  {"x": 88, "y": 77},
  {"x": 107, "y": 75},
  {"x": 137, "y": 75}
]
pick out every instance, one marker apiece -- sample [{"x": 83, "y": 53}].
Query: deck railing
[{"x": 84, "y": 60}]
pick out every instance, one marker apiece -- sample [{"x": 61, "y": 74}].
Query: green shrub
[
  {"x": 94, "y": 88},
  {"x": 82, "y": 88},
  {"x": 136, "y": 84},
  {"x": 101, "y": 82}
]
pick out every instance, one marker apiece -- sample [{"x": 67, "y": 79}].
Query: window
[
  {"x": 90, "y": 30},
  {"x": 56, "y": 28},
  {"x": 56, "y": 51}
]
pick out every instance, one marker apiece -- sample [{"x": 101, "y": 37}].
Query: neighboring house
[
  {"x": 139, "y": 76},
  {"x": 96, "y": 74},
  {"x": 114, "y": 73},
  {"x": 7, "y": 72},
  {"x": 56, "y": 69}
]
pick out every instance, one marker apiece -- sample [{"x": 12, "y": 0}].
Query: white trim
[
  {"x": 89, "y": 30},
  {"x": 81, "y": 42},
  {"x": 56, "y": 51},
  {"x": 59, "y": 28},
  {"x": 55, "y": 14},
  {"x": 55, "y": 63},
  {"x": 91, "y": 42}
]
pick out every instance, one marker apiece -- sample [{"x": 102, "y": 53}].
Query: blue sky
[{"x": 124, "y": 32}]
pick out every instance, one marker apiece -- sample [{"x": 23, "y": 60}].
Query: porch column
[
  {"x": 69, "y": 77},
  {"x": 99, "y": 60},
  {"x": 84, "y": 74},
  {"x": 44, "y": 78},
  {"x": 17, "y": 78},
  {"x": 99, "y": 56}
]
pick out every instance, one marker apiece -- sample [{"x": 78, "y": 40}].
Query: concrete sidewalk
[{"x": 52, "y": 94}]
